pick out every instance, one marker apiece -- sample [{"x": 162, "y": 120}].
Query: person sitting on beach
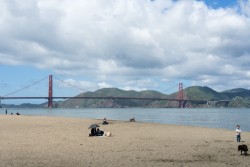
[
  {"x": 99, "y": 132},
  {"x": 18, "y": 113},
  {"x": 93, "y": 132},
  {"x": 104, "y": 122},
  {"x": 132, "y": 119}
]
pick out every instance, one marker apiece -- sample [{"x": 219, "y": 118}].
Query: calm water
[{"x": 214, "y": 118}]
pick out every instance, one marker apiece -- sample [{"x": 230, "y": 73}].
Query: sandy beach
[{"x": 33, "y": 141}]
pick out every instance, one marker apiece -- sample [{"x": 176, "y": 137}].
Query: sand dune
[{"x": 62, "y": 142}]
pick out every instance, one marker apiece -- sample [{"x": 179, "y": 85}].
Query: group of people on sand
[
  {"x": 96, "y": 131},
  {"x": 6, "y": 112}
]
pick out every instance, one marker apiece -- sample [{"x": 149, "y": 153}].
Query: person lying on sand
[{"x": 99, "y": 132}]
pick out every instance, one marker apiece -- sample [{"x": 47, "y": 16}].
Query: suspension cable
[
  {"x": 166, "y": 90},
  {"x": 25, "y": 87},
  {"x": 78, "y": 88}
]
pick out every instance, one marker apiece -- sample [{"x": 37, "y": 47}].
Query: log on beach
[{"x": 55, "y": 141}]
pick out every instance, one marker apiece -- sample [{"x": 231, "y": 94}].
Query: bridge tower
[
  {"x": 180, "y": 95},
  {"x": 50, "y": 97}
]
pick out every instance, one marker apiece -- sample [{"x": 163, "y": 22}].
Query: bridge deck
[{"x": 109, "y": 97}]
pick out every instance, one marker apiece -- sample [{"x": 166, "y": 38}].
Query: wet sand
[{"x": 33, "y": 141}]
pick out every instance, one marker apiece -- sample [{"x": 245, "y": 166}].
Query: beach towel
[{"x": 108, "y": 134}]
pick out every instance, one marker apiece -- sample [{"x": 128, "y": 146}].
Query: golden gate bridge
[{"x": 50, "y": 96}]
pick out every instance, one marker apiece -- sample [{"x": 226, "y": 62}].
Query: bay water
[{"x": 226, "y": 118}]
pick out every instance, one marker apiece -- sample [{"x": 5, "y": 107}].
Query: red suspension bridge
[{"x": 51, "y": 86}]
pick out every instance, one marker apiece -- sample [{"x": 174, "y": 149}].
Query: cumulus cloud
[
  {"x": 245, "y": 7},
  {"x": 117, "y": 42}
]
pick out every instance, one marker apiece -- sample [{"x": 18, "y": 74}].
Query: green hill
[
  {"x": 237, "y": 92},
  {"x": 116, "y": 103},
  {"x": 203, "y": 93}
]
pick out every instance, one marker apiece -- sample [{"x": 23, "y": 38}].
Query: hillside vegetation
[{"x": 229, "y": 98}]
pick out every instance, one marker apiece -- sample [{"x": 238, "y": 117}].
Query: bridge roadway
[{"x": 105, "y": 97}]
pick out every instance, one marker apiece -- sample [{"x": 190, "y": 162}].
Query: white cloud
[
  {"x": 245, "y": 7},
  {"x": 114, "y": 42},
  {"x": 104, "y": 85},
  {"x": 80, "y": 86}
]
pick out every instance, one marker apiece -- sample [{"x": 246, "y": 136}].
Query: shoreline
[
  {"x": 217, "y": 119},
  {"x": 59, "y": 141},
  {"x": 100, "y": 119}
]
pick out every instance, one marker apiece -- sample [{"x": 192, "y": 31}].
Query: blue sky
[
  {"x": 221, "y": 3},
  {"x": 131, "y": 45}
]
